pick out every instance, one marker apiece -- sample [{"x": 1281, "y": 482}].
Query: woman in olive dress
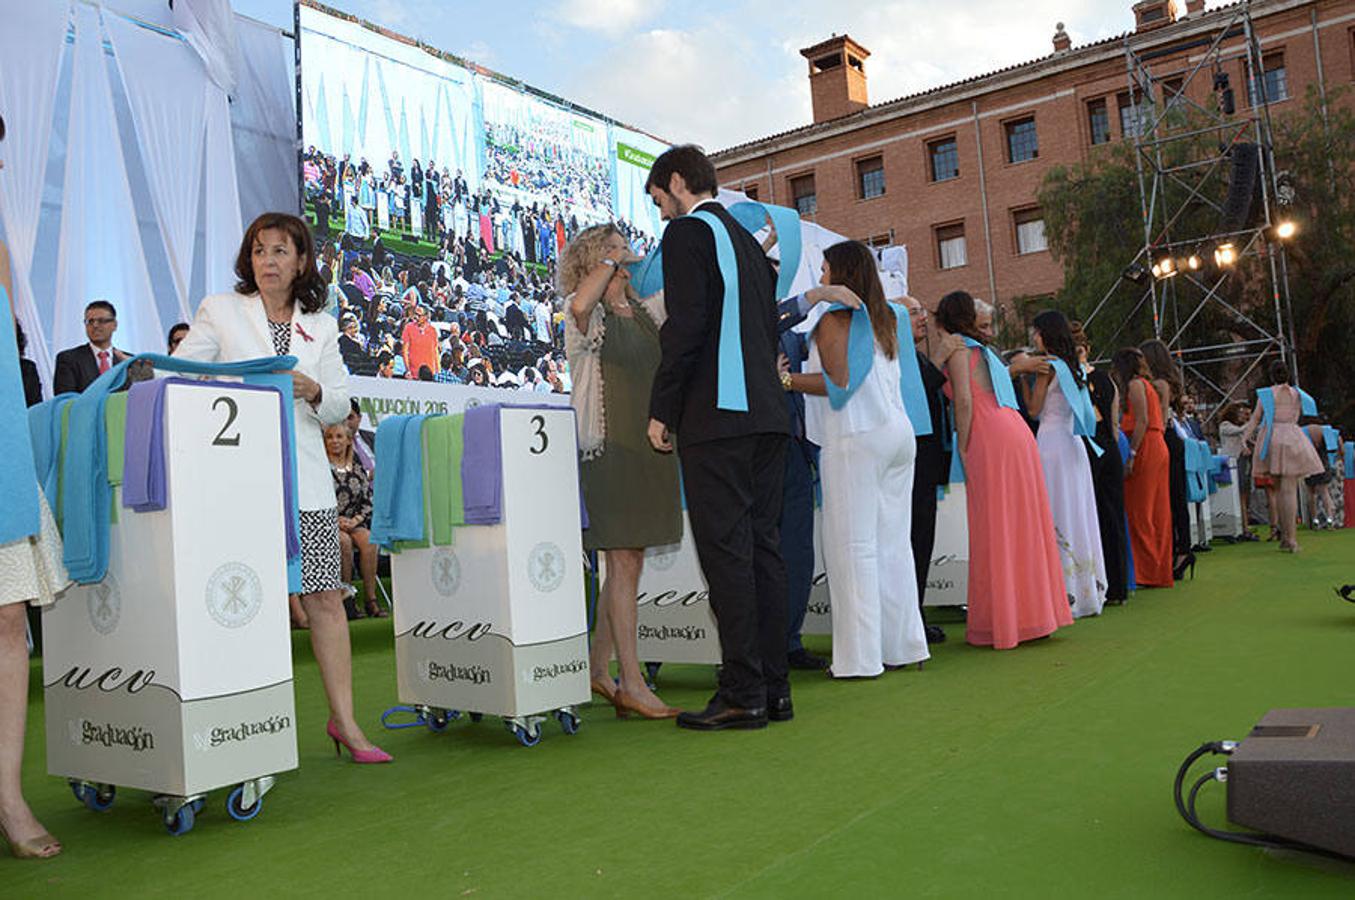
[{"x": 630, "y": 490}]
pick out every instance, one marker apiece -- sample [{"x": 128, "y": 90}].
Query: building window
[
  {"x": 1171, "y": 91},
  {"x": 1029, "y": 231},
  {"x": 1275, "y": 80},
  {"x": 950, "y": 246},
  {"x": 1134, "y": 117},
  {"x": 880, "y": 240},
  {"x": 870, "y": 178},
  {"x": 1098, "y": 120},
  {"x": 945, "y": 159},
  {"x": 802, "y": 191},
  {"x": 750, "y": 191},
  {"x": 1022, "y": 142}
]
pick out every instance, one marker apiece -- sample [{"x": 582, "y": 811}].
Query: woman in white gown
[
  {"x": 869, "y": 448},
  {"x": 1058, "y": 399},
  {"x": 31, "y": 572}
]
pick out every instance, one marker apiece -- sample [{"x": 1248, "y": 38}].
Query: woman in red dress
[
  {"x": 1147, "y": 485},
  {"x": 1016, "y": 590}
]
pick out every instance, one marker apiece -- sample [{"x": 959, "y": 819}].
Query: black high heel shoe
[
  {"x": 1346, "y": 592},
  {"x": 1187, "y": 562}
]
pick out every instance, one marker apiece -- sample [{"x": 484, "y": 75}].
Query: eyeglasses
[
  {"x": 104, "y": 321},
  {"x": 918, "y": 313}
]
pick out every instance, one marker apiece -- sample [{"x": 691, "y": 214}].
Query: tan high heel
[
  {"x": 44, "y": 846},
  {"x": 604, "y": 687},
  {"x": 625, "y": 706}
]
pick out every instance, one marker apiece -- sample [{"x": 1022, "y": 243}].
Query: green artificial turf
[{"x": 1041, "y": 772}]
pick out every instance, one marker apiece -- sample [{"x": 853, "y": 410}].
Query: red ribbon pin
[{"x": 301, "y": 331}]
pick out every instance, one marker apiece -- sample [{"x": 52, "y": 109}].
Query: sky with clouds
[{"x": 720, "y": 73}]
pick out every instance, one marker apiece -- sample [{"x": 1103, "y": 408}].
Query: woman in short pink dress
[
  {"x": 1282, "y": 452},
  {"x": 1016, "y": 589}
]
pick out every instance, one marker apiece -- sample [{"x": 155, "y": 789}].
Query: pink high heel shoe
[{"x": 375, "y": 755}]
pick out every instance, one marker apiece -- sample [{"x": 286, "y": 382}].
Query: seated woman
[{"x": 353, "y": 491}]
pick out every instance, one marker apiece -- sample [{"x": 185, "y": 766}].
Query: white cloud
[
  {"x": 609, "y": 17},
  {"x": 478, "y": 51}
]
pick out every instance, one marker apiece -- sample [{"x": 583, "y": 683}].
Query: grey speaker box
[{"x": 1294, "y": 777}]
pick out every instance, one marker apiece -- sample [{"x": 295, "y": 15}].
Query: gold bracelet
[{"x": 785, "y": 381}]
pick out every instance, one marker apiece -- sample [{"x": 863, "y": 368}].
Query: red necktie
[{"x": 103, "y": 361}]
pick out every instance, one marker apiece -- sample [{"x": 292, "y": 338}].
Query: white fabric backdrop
[
  {"x": 31, "y": 47},
  {"x": 100, "y": 254},
  {"x": 170, "y": 129},
  {"x": 263, "y": 117}
]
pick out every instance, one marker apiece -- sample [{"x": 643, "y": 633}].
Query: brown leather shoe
[{"x": 718, "y": 716}]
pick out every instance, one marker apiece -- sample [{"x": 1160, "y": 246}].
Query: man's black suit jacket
[
  {"x": 933, "y": 460},
  {"x": 77, "y": 368},
  {"x": 684, "y": 395}
]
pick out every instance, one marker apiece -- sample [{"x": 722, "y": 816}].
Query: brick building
[{"x": 953, "y": 172}]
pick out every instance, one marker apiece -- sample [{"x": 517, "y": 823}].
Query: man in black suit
[
  {"x": 933, "y": 461},
  {"x": 733, "y": 461},
  {"x": 77, "y": 367}
]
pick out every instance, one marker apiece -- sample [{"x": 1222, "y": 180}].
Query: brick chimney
[
  {"x": 1062, "y": 42},
  {"x": 837, "y": 77},
  {"x": 1194, "y": 7},
  {"x": 1153, "y": 14}
]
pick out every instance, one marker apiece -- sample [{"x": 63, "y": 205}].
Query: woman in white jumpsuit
[{"x": 866, "y": 468}]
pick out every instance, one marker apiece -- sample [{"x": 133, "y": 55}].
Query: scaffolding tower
[{"x": 1188, "y": 276}]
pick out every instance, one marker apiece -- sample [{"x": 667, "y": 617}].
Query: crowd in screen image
[{"x": 543, "y": 161}]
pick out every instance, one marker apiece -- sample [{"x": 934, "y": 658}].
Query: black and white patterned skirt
[{"x": 320, "y": 551}]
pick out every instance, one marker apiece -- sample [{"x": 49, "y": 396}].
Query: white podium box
[
  {"x": 495, "y": 623},
  {"x": 1225, "y": 508},
  {"x": 174, "y": 673},
  {"x": 675, "y": 621},
  {"x": 1201, "y": 522}
]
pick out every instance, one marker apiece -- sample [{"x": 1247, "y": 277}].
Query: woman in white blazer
[{"x": 278, "y": 309}]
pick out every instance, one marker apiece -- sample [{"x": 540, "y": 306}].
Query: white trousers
[{"x": 868, "y": 551}]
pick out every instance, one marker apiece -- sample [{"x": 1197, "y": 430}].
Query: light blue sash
[
  {"x": 861, "y": 359},
  {"x": 1003, "y": 390},
  {"x": 753, "y": 216},
  {"x": 1080, "y": 399},
  {"x": 1332, "y": 438},
  {"x": 1350, "y": 460},
  {"x": 1266, "y": 396},
  {"x": 731, "y": 391},
  {"x": 18, "y": 476},
  {"x": 1198, "y": 463}
]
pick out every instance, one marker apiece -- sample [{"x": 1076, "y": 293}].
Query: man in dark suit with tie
[
  {"x": 933, "y": 461},
  {"x": 733, "y": 460},
  {"x": 77, "y": 367}
]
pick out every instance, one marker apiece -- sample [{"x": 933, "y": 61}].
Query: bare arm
[
  {"x": 1138, "y": 404},
  {"x": 962, "y": 396},
  {"x": 590, "y": 290},
  {"x": 1035, "y": 395},
  {"x": 1115, "y": 406},
  {"x": 1250, "y": 430},
  {"x": 1164, "y": 393},
  {"x": 5, "y": 281}
]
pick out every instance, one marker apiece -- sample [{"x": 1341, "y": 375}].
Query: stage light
[
  {"x": 1286, "y": 229},
  {"x": 1165, "y": 267},
  {"x": 1135, "y": 273},
  {"x": 1193, "y": 262},
  {"x": 1225, "y": 255}
]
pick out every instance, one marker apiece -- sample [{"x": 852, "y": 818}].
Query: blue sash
[
  {"x": 1266, "y": 396},
  {"x": 1332, "y": 437},
  {"x": 397, "y": 500},
  {"x": 753, "y": 216},
  {"x": 86, "y": 495},
  {"x": 861, "y": 359},
  {"x": 1003, "y": 390},
  {"x": 1198, "y": 463},
  {"x": 18, "y": 476},
  {"x": 731, "y": 391},
  {"x": 1350, "y": 460},
  {"x": 1080, "y": 399}
]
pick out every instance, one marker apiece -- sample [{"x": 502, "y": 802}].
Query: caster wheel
[
  {"x": 652, "y": 674},
  {"x": 197, "y": 805},
  {"x": 181, "y": 822},
  {"x": 235, "y": 806},
  {"x": 437, "y": 722},
  {"x": 97, "y": 798},
  {"x": 526, "y": 737},
  {"x": 569, "y": 722},
  {"x": 475, "y": 717}
]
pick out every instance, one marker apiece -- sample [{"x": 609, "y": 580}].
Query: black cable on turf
[{"x": 1186, "y": 807}]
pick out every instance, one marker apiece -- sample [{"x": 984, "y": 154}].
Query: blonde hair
[{"x": 582, "y": 254}]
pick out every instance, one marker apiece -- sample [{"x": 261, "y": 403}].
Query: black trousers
[
  {"x": 797, "y": 536},
  {"x": 1176, "y": 449},
  {"x": 926, "y": 479},
  {"x": 733, "y": 488},
  {"x": 1108, "y": 482}
]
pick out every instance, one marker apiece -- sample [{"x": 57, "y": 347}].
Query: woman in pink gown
[{"x": 1016, "y": 590}]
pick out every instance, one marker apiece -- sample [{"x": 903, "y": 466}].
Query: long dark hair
[
  {"x": 1057, "y": 336},
  {"x": 957, "y": 315},
  {"x": 1160, "y": 364},
  {"x": 309, "y": 289},
  {"x": 1127, "y": 364},
  {"x": 852, "y": 265},
  {"x": 1279, "y": 373}
]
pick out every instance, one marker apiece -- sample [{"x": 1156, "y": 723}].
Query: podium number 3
[
  {"x": 540, "y": 423},
  {"x": 221, "y": 440}
]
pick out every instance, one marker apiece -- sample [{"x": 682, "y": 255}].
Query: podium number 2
[
  {"x": 540, "y": 423},
  {"x": 221, "y": 440}
]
